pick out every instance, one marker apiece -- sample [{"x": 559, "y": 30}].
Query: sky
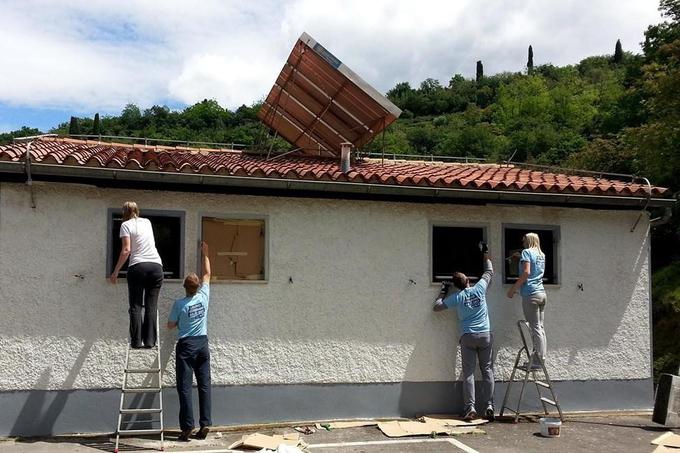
[{"x": 81, "y": 57}]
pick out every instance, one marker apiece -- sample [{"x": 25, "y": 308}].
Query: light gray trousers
[
  {"x": 475, "y": 346},
  {"x": 533, "y": 307}
]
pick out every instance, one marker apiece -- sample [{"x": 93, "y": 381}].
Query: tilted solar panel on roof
[{"x": 317, "y": 102}]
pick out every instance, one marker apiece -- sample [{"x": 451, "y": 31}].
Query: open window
[
  {"x": 456, "y": 249},
  {"x": 512, "y": 248},
  {"x": 237, "y": 248},
  {"x": 168, "y": 231}
]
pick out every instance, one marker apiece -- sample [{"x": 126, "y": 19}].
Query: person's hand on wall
[
  {"x": 204, "y": 248},
  {"x": 114, "y": 278}
]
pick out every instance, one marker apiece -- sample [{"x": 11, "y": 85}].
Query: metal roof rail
[
  {"x": 148, "y": 140},
  {"x": 422, "y": 157}
]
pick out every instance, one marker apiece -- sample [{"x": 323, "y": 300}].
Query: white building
[{"x": 322, "y": 306}]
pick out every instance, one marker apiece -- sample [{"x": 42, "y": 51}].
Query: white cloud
[{"x": 101, "y": 54}]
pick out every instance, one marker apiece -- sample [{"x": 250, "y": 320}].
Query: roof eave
[{"x": 337, "y": 187}]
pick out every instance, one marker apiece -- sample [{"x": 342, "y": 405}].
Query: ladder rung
[
  {"x": 141, "y": 411},
  {"x": 542, "y": 384},
  {"x": 142, "y": 390},
  {"x": 549, "y": 401},
  {"x": 511, "y": 410},
  {"x": 143, "y": 370},
  {"x": 526, "y": 369},
  {"x": 139, "y": 431}
]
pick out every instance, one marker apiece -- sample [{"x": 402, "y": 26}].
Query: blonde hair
[
  {"x": 532, "y": 241},
  {"x": 130, "y": 210},
  {"x": 191, "y": 283}
]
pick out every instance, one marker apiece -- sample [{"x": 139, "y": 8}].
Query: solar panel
[{"x": 317, "y": 102}]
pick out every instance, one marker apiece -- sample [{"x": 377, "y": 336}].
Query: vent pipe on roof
[{"x": 345, "y": 149}]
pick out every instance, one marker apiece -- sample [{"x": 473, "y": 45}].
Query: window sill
[{"x": 220, "y": 282}]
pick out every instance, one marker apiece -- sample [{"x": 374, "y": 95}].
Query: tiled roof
[{"x": 490, "y": 177}]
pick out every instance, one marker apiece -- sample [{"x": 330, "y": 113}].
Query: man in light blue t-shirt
[
  {"x": 192, "y": 354},
  {"x": 476, "y": 341}
]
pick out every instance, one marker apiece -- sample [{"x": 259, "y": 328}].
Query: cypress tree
[
  {"x": 618, "y": 52},
  {"x": 530, "y": 60},
  {"x": 74, "y": 127},
  {"x": 480, "y": 71},
  {"x": 96, "y": 127}
]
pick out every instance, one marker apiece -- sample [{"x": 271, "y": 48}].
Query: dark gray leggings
[{"x": 144, "y": 283}]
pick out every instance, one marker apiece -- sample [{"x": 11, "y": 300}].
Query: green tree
[
  {"x": 96, "y": 126},
  {"x": 74, "y": 127},
  {"x": 530, "y": 60},
  {"x": 479, "y": 71},
  {"x": 618, "y": 52}
]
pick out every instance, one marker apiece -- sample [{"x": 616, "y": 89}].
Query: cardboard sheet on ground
[
  {"x": 260, "y": 441},
  {"x": 668, "y": 439},
  {"x": 662, "y": 449},
  {"x": 341, "y": 425},
  {"x": 450, "y": 420},
  {"x": 414, "y": 428}
]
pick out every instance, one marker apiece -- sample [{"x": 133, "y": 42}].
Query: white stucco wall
[{"x": 351, "y": 315}]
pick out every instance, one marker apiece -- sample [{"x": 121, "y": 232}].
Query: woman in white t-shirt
[{"x": 144, "y": 275}]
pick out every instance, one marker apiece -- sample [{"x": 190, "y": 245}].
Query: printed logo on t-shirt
[
  {"x": 540, "y": 263},
  {"x": 472, "y": 301},
  {"x": 196, "y": 311}
]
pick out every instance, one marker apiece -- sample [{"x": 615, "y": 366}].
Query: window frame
[
  {"x": 236, "y": 216},
  {"x": 110, "y": 259},
  {"x": 432, "y": 224},
  {"x": 557, "y": 255}
]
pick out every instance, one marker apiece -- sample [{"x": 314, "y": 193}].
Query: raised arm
[
  {"x": 206, "y": 262},
  {"x": 122, "y": 258}
]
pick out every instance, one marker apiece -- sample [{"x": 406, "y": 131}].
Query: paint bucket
[{"x": 550, "y": 427}]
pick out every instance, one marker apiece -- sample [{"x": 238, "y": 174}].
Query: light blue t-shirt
[
  {"x": 191, "y": 313},
  {"x": 470, "y": 303},
  {"x": 534, "y": 283}
]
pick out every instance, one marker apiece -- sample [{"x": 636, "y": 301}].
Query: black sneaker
[
  {"x": 470, "y": 414},
  {"x": 489, "y": 414},
  {"x": 184, "y": 436},
  {"x": 202, "y": 433}
]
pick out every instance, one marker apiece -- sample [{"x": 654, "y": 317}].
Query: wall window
[
  {"x": 512, "y": 247},
  {"x": 237, "y": 248},
  {"x": 168, "y": 231},
  {"x": 456, "y": 249}
]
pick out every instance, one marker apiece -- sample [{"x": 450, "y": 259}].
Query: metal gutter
[{"x": 334, "y": 187}]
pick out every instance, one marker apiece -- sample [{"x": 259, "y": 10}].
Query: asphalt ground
[{"x": 605, "y": 433}]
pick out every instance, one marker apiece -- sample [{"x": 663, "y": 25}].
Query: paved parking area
[{"x": 629, "y": 433}]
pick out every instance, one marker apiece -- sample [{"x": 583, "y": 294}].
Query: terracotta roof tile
[{"x": 370, "y": 171}]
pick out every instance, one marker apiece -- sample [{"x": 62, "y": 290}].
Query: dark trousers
[
  {"x": 192, "y": 356},
  {"x": 144, "y": 283}
]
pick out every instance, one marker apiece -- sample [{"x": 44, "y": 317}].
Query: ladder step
[
  {"x": 143, "y": 370},
  {"x": 548, "y": 401},
  {"x": 142, "y": 390},
  {"x": 511, "y": 410},
  {"x": 139, "y": 431},
  {"x": 141, "y": 411},
  {"x": 542, "y": 384},
  {"x": 526, "y": 369}
]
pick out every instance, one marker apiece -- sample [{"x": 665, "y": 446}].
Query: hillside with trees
[{"x": 612, "y": 113}]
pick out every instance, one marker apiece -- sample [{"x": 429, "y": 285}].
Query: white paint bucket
[{"x": 550, "y": 427}]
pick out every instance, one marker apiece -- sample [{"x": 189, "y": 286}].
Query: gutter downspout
[
  {"x": 644, "y": 208},
  {"x": 27, "y": 170},
  {"x": 662, "y": 219}
]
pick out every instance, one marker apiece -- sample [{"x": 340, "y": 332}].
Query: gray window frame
[
  {"x": 557, "y": 255},
  {"x": 237, "y": 216},
  {"x": 143, "y": 213},
  {"x": 432, "y": 224}
]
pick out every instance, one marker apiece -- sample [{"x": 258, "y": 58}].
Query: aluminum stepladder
[
  {"x": 153, "y": 373},
  {"x": 529, "y": 369}
]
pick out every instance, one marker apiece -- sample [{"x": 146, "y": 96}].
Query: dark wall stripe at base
[{"x": 41, "y": 412}]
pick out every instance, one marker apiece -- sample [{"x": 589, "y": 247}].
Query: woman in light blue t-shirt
[{"x": 530, "y": 285}]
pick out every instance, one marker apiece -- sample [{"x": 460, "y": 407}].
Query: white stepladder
[
  {"x": 153, "y": 373},
  {"x": 529, "y": 368}
]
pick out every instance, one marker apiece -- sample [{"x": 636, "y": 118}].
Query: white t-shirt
[{"x": 142, "y": 243}]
